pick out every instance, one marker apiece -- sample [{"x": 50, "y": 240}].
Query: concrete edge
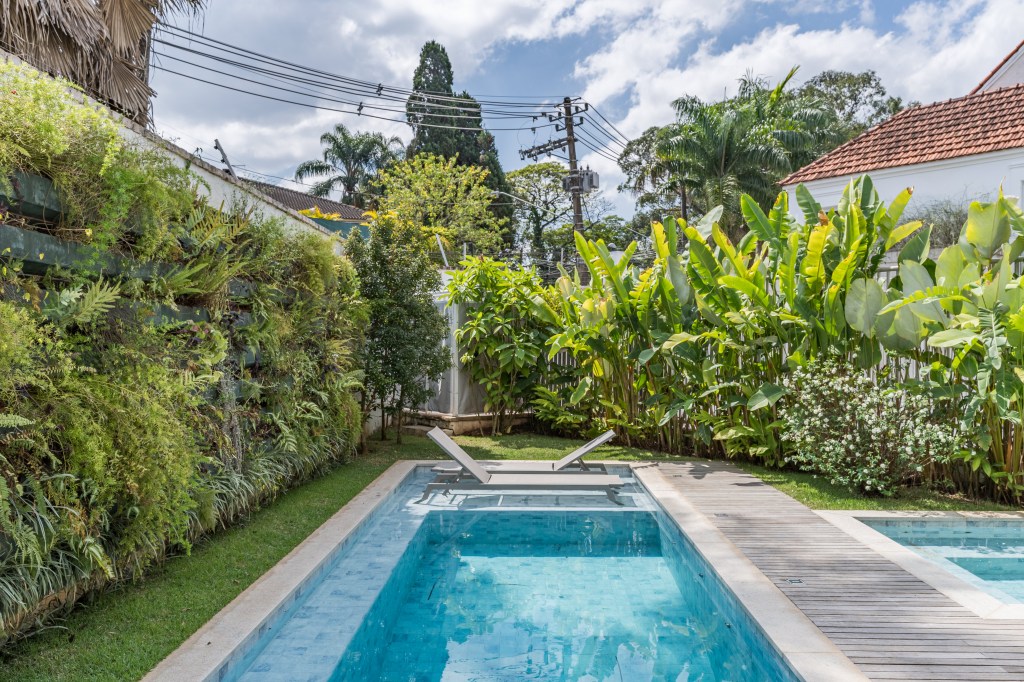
[
  {"x": 972, "y": 598},
  {"x": 811, "y": 654},
  {"x": 203, "y": 655}
]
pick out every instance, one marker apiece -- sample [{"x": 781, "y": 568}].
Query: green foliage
[
  {"x": 744, "y": 145},
  {"x": 857, "y": 100},
  {"x": 403, "y": 349},
  {"x": 544, "y": 204},
  {"x": 860, "y": 433},
  {"x": 443, "y": 198},
  {"x": 351, "y": 162},
  {"x": 501, "y": 340},
  {"x": 106, "y": 184},
  {"x": 137, "y": 414},
  {"x": 692, "y": 353},
  {"x": 451, "y": 126}
]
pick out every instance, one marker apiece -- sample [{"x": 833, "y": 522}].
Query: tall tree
[
  {"x": 433, "y": 103},
  {"x": 102, "y": 45},
  {"x": 656, "y": 178},
  {"x": 351, "y": 161},
  {"x": 451, "y": 125},
  {"x": 857, "y": 100},
  {"x": 744, "y": 145},
  {"x": 403, "y": 350},
  {"x": 544, "y": 203}
]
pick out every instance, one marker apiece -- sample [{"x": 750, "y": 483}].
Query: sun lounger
[
  {"x": 473, "y": 478},
  {"x": 572, "y": 461}
]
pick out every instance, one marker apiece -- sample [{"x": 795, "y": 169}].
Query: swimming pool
[
  {"x": 514, "y": 587},
  {"x": 987, "y": 553}
]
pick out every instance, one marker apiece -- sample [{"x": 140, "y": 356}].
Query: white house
[
  {"x": 957, "y": 150},
  {"x": 1009, "y": 72}
]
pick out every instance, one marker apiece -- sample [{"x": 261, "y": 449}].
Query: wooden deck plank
[{"x": 887, "y": 621}]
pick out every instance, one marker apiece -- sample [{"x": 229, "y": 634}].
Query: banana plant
[{"x": 968, "y": 308}]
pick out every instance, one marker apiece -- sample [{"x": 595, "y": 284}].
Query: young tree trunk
[
  {"x": 398, "y": 417},
  {"x": 383, "y": 420},
  {"x": 363, "y": 415}
]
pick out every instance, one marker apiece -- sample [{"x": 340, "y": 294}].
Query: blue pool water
[
  {"x": 459, "y": 592},
  {"x": 988, "y": 553}
]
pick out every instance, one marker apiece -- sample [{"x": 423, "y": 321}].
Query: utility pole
[
  {"x": 224, "y": 158},
  {"x": 574, "y": 176},
  {"x": 566, "y": 117}
]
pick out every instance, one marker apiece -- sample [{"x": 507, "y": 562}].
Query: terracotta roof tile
[
  {"x": 983, "y": 122},
  {"x": 298, "y": 201}
]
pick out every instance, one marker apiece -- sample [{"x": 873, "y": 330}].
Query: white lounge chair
[
  {"x": 573, "y": 459},
  {"x": 472, "y": 477}
]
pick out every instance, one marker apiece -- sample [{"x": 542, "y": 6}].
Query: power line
[
  {"x": 612, "y": 125},
  {"x": 320, "y": 96},
  {"x": 321, "y": 82},
  {"x": 594, "y": 146},
  {"x": 314, "y": 106},
  {"x": 611, "y": 139},
  {"x": 378, "y": 88}
]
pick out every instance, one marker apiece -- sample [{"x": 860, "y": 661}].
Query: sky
[{"x": 628, "y": 58}]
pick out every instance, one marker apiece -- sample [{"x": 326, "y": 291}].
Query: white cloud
[
  {"x": 633, "y": 58},
  {"x": 936, "y": 50}
]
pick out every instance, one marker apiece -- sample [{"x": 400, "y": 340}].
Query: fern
[
  {"x": 13, "y": 421},
  {"x": 96, "y": 302}
]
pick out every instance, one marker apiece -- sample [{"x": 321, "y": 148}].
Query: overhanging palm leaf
[{"x": 101, "y": 45}]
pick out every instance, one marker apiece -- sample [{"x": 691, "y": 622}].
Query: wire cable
[
  {"x": 612, "y": 125},
  {"x": 314, "y": 106},
  {"x": 362, "y": 92},
  {"x": 320, "y": 96},
  {"x": 369, "y": 85}
]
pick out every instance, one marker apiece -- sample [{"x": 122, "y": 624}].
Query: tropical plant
[
  {"x": 716, "y": 152},
  {"x": 501, "y": 341},
  {"x": 654, "y": 176},
  {"x": 350, "y": 161},
  {"x": 143, "y": 407},
  {"x": 113, "y": 193},
  {"x": 102, "y": 46}
]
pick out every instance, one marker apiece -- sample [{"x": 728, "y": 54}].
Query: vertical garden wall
[{"x": 167, "y": 365}]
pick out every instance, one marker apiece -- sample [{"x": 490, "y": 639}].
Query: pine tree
[{"x": 434, "y": 103}]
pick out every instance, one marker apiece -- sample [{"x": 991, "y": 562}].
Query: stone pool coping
[
  {"x": 971, "y": 597},
  {"x": 208, "y": 653},
  {"x": 808, "y": 650}
]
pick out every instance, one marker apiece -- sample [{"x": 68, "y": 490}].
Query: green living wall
[
  {"x": 788, "y": 346},
  {"x": 165, "y": 366}
]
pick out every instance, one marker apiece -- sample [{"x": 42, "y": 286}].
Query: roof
[
  {"x": 987, "y": 121},
  {"x": 993, "y": 72},
  {"x": 300, "y": 201}
]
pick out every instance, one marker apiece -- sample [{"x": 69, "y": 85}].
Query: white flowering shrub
[{"x": 874, "y": 438}]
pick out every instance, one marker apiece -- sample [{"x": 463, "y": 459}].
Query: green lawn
[
  {"x": 817, "y": 493},
  {"x": 124, "y": 633}
]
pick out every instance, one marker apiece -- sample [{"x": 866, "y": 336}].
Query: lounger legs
[{"x": 613, "y": 495}]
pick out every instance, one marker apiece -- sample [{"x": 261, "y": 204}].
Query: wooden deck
[{"x": 888, "y": 622}]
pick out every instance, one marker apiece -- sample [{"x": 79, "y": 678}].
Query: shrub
[{"x": 871, "y": 437}]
